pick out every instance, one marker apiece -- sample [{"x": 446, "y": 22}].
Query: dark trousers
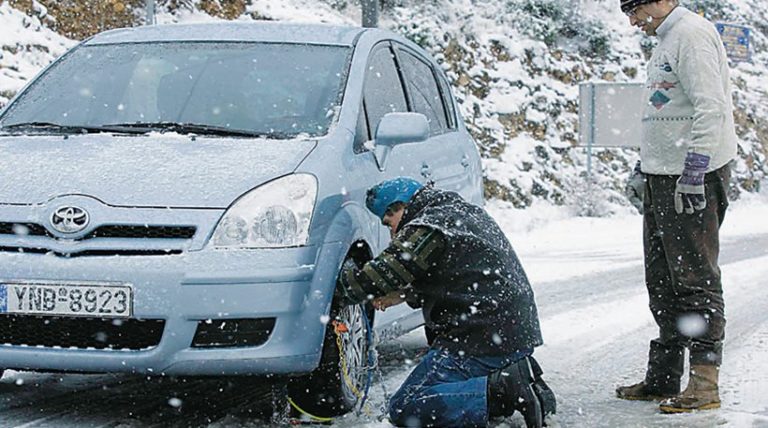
[{"x": 683, "y": 277}]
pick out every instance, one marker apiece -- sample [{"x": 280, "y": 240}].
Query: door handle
[{"x": 426, "y": 171}]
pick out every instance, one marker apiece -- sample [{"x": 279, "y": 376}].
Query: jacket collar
[
  {"x": 418, "y": 202},
  {"x": 677, "y": 14}
]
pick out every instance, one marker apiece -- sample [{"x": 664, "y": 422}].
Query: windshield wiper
[
  {"x": 194, "y": 128},
  {"x": 66, "y": 129}
]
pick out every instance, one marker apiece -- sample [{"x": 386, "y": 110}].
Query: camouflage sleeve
[{"x": 406, "y": 259}]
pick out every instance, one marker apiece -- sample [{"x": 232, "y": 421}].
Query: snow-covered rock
[
  {"x": 515, "y": 66},
  {"x": 26, "y": 46}
]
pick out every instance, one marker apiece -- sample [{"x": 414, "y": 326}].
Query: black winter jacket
[{"x": 451, "y": 258}]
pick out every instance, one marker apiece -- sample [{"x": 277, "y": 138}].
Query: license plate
[{"x": 98, "y": 300}]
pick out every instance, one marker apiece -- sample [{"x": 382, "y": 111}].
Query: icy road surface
[{"x": 588, "y": 279}]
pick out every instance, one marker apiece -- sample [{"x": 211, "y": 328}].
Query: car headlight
[{"x": 274, "y": 215}]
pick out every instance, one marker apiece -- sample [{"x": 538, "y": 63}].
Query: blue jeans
[{"x": 447, "y": 390}]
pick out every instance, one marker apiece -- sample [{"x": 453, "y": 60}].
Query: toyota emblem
[{"x": 69, "y": 219}]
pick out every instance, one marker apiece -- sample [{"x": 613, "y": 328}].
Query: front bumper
[{"x": 290, "y": 285}]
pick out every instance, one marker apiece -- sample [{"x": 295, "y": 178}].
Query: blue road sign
[{"x": 736, "y": 39}]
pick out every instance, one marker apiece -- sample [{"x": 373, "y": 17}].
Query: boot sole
[
  {"x": 670, "y": 409},
  {"x": 643, "y": 398}
]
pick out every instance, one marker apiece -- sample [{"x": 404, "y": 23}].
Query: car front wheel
[{"x": 342, "y": 378}]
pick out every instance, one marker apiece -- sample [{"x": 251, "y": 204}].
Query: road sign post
[
  {"x": 370, "y": 13},
  {"x": 150, "y": 6},
  {"x": 610, "y": 115}
]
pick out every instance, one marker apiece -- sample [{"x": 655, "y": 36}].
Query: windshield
[{"x": 258, "y": 88}]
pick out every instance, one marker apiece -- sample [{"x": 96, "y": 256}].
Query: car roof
[{"x": 256, "y": 31}]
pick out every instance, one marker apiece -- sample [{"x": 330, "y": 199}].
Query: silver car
[{"x": 180, "y": 199}]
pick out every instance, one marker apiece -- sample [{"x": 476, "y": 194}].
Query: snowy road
[
  {"x": 600, "y": 339},
  {"x": 595, "y": 321}
]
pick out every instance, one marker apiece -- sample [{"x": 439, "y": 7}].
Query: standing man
[
  {"x": 688, "y": 142},
  {"x": 450, "y": 258}
]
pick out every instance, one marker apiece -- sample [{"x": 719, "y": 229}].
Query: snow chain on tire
[{"x": 340, "y": 328}]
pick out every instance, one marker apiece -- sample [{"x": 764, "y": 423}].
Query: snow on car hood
[{"x": 149, "y": 171}]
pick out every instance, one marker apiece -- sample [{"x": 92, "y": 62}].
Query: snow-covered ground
[
  {"x": 587, "y": 274},
  {"x": 588, "y": 278}
]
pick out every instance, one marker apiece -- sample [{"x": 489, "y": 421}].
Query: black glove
[
  {"x": 345, "y": 293},
  {"x": 635, "y": 187}
]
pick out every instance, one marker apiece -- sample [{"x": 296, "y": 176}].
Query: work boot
[
  {"x": 511, "y": 389},
  {"x": 662, "y": 377},
  {"x": 643, "y": 392},
  {"x": 701, "y": 393}
]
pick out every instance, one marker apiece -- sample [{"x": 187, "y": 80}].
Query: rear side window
[
  {"x": 445, "y": 89},
  {"x": 424, "y": 91},
  {"x": 383, "y": 91}
]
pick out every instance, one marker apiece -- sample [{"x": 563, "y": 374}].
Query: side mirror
[{"x": 398, "y": 128}]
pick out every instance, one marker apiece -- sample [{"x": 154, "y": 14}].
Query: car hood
[{"x": 147, "y": 171}]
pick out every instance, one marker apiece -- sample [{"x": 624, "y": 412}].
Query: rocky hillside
[{"x": 515, "y": 66}]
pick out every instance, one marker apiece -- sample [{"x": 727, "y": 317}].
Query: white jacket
[{"x": 688, "y": 92}]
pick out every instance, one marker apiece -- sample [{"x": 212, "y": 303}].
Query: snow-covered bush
[
  {"x": 713, "y": 10},
  {"x": 559, "y": 24}
]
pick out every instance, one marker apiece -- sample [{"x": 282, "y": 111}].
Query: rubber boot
[
  {"x": 662, "y": 379},
  {"x": 510, "y": 389},
  {"x": 701, "y": 393}
]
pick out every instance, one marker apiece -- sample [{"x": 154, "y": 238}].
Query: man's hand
[
  {"x": 689, "y": 192},
  {"x": 391, "y": 299},
  {"x": 635, "y": 187}
]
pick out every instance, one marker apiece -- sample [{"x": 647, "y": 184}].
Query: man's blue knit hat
[{"x": 386, "y": 193}]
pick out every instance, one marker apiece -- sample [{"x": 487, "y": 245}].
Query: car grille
[
  {"x": 174, "y": 235},
  {"x": 110, "y": 231},
  {"x": 30, "y": 229},
  {"x": 80, "y": 333},
  {"x": 90, "y": 253},
  {"x": 158, "y": 232}
]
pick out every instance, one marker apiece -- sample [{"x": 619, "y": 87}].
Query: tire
[{"x": 325, "y": 392}]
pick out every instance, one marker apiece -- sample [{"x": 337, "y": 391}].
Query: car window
[
  {"x": 269, "y": 88},
  {"x": 362, "y": 132},
  {"x": 445, "y": 92},
  {"x": 424, "y": 92},
  {"x": 383, "y": 91}
]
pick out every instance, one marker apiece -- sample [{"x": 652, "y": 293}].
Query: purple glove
[{"x": 689, "y": 192}]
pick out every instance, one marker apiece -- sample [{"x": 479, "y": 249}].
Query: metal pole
[
  {"x": 370, "y": 13},
  {"x": 150, "y": 12},
  {"x": 591, "y": 139}
]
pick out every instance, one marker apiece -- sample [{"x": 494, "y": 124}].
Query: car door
[
  {"x": 445, "y": 157},
  {"x": 383, "y": 93}
]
